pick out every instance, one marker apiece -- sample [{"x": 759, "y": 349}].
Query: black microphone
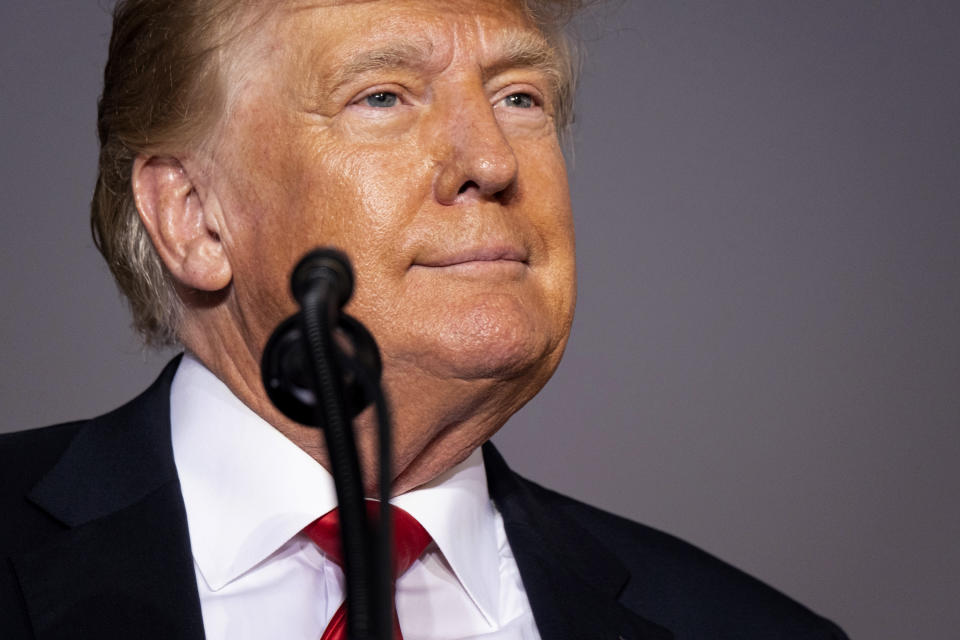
[
  {"x": 321, "y": 368},
  {"x": 323, "y": 277},
  {"x": 323, "y": 269}
]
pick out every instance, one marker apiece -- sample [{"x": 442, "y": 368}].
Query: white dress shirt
[{"x": 249, "y": 491}]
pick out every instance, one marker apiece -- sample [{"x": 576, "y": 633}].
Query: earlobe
[{"x": 183, "y": 230}]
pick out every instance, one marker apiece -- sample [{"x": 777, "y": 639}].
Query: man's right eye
[
  {"x": 383, "y": 99},
  {"x": 520, "y": 100}
]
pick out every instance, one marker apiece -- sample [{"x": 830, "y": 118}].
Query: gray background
[{"x": 766, "y": 357}]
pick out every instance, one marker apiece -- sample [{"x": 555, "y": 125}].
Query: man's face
[{"x": 418, "y": 137}]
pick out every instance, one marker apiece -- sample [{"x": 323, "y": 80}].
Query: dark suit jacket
[{"x": 94, "y": 544}]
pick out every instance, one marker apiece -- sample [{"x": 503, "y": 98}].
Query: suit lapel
[
  {"x": 122, "y": 567},
  {"x": 571, "y": 579}
]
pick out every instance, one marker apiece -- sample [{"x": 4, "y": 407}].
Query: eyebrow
[
  {"x": 515, "y": 48},
  {"x": 524, "y": 49},
  {"x": 394, "y": 55}
]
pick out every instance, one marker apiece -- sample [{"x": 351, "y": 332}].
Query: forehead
[
  {"x": 305, "y": 28},
  {"x": 423, "y": 11}
]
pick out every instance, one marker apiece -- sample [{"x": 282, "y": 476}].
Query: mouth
[
  {"x": 474, "y": 258},
  {"x": 500, "y": 263},
  {"x": 478, "y": 256}
]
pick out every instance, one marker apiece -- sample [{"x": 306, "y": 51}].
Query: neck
[{"x": 437, "y": 421}]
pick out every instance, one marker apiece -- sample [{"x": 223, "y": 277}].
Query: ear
[{"x": 184, "y": 233}]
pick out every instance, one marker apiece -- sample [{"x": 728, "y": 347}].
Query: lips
[{"x": 448, "y": 258}]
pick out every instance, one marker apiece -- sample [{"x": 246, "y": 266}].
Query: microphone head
[
  {"x": 288, "y": 376},
  {"x": 323, "y": 263}
]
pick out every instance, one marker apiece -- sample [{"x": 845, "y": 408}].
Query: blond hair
[{"x": 162, "y": 92}]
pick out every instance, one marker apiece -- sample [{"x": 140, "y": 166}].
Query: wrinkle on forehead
[
  {"x": 297, "y": 5},
  {"x": 428, "y": 37},
  {"x": 476, "y": 8}
]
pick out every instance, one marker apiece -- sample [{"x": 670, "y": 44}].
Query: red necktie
[{"x": 409, "y": 541}]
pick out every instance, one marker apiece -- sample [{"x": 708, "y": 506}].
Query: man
[{"x": 422, "y": 138}]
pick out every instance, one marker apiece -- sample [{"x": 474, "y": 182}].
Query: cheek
[
  {"x": 546, "y": 188},
  {"x": 277, "y": 204},
  {"x": 379, "y": 193},
  {"x": 301, "y": 193},
  {"x": 267, "y": 186},
  {"x": 554, "y": 223}
]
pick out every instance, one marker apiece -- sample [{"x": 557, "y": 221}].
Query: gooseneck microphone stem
[
  {"x": 320, "y": 311},
  {"x": 325, "y": 383},
  {"x": 384, "y": 548},
  {"x": 384, "y": 584}
]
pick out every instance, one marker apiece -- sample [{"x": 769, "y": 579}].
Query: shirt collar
[
  {"x": 248, "y": 490},
  {"x": 456, "y": 510}
]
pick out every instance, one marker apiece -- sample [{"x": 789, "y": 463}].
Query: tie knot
[{"x": 410, "y": 539}]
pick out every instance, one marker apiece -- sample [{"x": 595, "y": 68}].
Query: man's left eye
[
  {"x": 520, "y": 101},
  {"x": 384, "y": 99}
]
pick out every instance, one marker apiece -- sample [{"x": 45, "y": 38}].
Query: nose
[{"x": 477, "y": 162}]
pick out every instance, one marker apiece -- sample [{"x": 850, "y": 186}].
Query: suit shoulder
[
  {"x": 34, "y": 449},
  {"x": 686, "y": 589},
  {"x": 25, "y": 457}
]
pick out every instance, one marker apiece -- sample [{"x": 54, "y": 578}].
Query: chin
[{"x": 500, "y": 339}]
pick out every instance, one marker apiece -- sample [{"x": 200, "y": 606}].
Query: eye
[
  {"x": 383, "y": 99},
  {"x": 520, "y": 101}
]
